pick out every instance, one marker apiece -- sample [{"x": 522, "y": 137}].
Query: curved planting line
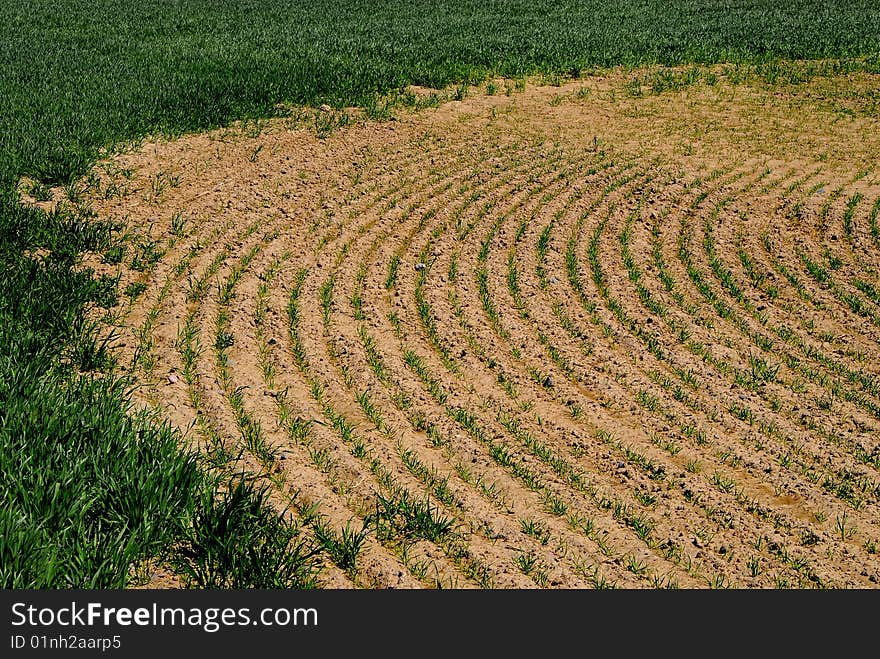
[{"x": 432, "y": 384}]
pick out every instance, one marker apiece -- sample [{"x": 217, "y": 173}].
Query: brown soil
[{"x": 631, "y": 340}]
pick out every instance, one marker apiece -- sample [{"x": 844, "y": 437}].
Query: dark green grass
[
  {"x": 90, "y": 489},
  {"x": 87, "y": 490}
]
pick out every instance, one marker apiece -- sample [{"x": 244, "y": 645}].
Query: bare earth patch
[{"x": 572, "y": 336}]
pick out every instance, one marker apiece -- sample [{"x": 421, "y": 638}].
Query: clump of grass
[
  {"x": 344, "y": 547},
  {"x": 402, "y": 516},
  {"x": 237, "y": 541},
  {"x": 135, "y": 289},
  {"x": 536, "y": 529}
]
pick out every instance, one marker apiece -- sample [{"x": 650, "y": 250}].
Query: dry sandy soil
[{"x": 563, "y": 336}]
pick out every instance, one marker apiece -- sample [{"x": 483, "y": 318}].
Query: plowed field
[{"x": 568, "y": 336}]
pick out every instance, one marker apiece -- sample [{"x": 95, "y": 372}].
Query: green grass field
[
  {"x": 80, "y": 75},
  {"x": 93, "y": 490}
]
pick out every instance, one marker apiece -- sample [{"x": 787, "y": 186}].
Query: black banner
[{"x": 404, "y": 623}]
